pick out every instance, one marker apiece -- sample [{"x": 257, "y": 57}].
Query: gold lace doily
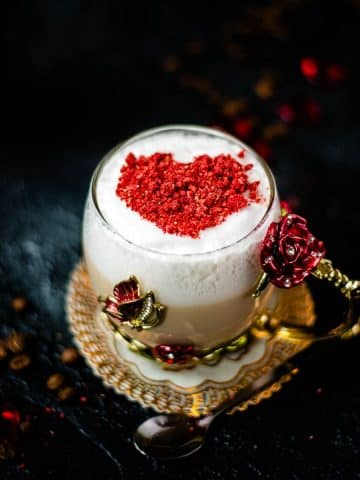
[{"x": 296, "y": 306}]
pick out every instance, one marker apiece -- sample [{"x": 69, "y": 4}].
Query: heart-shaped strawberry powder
[{"x": 186, "y": 198}]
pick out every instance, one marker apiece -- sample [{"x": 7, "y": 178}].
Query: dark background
[{"x": 80, "y": 77}]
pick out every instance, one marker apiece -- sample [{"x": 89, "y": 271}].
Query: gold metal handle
[{"x": 264, "y": 326}]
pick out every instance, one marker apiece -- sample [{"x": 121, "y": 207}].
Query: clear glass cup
[{"x": 208, "y": 296}]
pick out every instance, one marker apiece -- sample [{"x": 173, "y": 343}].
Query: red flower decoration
[
  {"x": 290, "y": 252},
  {"x": 174, "y": 354},
  {"x": 128, "y": 305},
  {"x": 125, "y": 292}
]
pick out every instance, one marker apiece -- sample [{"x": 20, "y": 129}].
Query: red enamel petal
[
  {"x": 291, "y": 250},
  {"x": 293, "y": 222},
  {"x": 317, "y": 246},
  {"x": 289, "y": 280},
  {"x": 112, "y": 308},
  {"x": 281, "y": 281},
  {"x": 298, "y": 232},
  {"x": 298, "y": 278},
  {"x": 312, "y": 261},
  {"x": 272, "y": 233},
  {"x": 127, "y": 291},
  {"x": 174, "y": 354},
  {"x": 270, "y": 265},
  {"x": 285, "y": 206}
]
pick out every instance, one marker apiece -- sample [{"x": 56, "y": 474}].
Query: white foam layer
[{"x": 184, "y": 146}]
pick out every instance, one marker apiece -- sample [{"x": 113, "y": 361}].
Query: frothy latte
[{"x": 205, "y": 282}]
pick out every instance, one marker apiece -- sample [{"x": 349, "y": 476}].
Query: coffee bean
[
  {"x": 17, "y": 341},
  {"x": 25, "y": 426},
  {"x": 275, "y": 131},
  {"x": 3, "y": 350},
  {"x": 232, "y": 107},
  {"x": 69, "y": 355},
  {"x": 195, "y": 47},
  {"x": 7, "y": 450},
  {"x": 19, "y": 362},
  {"x": 66, "y": 393},
  {"x": 171, "y": 63},
  {"x": 55, "y": 381},
  {"x": 18, "y": 304},
  {"x": 264, "y": 87}
]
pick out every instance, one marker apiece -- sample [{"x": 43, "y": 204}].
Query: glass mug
[{"x": 206, "y": 298}]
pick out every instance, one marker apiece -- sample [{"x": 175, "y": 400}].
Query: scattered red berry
[
  {"x": 335, "y": 74},
  {"x": 262, "y": 148},
  {"x": 49, "y": 410},
  {"x": 287, "y": 113},
  {"x": 332, "y": 74},
  {"x": 304, "y": 111},
  {"x": 309, "y": 68},
  {"x": 18, "y": 304},
  {"x": 243, "y": 128},
  {"x": 12, "y": 416}
]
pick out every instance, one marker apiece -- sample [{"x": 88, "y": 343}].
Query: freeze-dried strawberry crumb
[{"x": 186, "y": 198}]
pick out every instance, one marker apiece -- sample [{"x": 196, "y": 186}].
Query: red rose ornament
[{"x": 290, "y": 251}]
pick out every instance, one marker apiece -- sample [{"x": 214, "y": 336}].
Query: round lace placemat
[{"x": 97, "y": 345}]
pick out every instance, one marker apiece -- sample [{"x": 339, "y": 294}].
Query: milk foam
[{"x": 184, "y": 146}]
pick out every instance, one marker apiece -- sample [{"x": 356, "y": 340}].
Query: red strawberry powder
[{"x": 186, "y": 198}]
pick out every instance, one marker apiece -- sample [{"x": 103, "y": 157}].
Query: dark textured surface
[{"x": 82, "y": 76}]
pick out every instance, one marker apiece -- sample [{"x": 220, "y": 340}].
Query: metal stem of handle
[{"x": 347, "y": 329}]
